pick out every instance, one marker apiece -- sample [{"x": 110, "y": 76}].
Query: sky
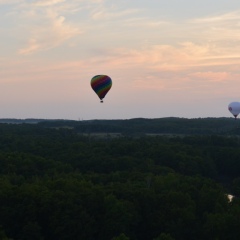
[{"x": 166, "y": 58}]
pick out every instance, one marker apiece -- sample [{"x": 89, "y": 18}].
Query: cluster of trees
[
  {"x": 56, "y": 183},
  {"x": 170, "y": 125}
]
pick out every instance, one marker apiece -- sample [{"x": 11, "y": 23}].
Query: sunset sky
[{"x": 166, "y": 58}]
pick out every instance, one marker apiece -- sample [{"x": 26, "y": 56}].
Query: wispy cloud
[
  {"x": 144, "y": 22},
  {"x": 50, "y": 36},
  {"x": 183, "y": 56},
  {"x": 219, "y": 18},
  {"x": 7, "y": 2},
  {"x": 111, "y": 13},
  {"x": 43, "y": 3},
  {"x": 206, "y": 48},
  {"x": 219, "y": 28},
  {"x": 32, "y": 46},
  {"x": 211, "y": 76},
  {"x": 47, "y": 27}
]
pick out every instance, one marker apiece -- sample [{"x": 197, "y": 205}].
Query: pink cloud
[{"x": 212, "y": 76}]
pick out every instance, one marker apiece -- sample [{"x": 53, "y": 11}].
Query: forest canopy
[{"x": 60, "y": 180}]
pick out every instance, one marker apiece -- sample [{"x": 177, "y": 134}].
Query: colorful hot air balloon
[
  {"x": 101, "y": 84},
  {"x": 234, "y": 108}
]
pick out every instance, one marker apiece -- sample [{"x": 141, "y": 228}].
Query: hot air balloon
[
  {"x": 101, "y": 84},
  {"x": 234, "y": 108}
]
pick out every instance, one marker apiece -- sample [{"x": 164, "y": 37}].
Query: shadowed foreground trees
[{"x": 57, "y": 184}]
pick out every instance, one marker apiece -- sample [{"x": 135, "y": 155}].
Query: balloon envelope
[
  {"x": 234, "y": 108},
  {"x": 101, "y": 84}
]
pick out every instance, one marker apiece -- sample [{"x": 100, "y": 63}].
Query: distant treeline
[
  {"x": 57, "y": 183},
  {"x": 154, "y": 126},
  {"x": 169, "y": 125}
]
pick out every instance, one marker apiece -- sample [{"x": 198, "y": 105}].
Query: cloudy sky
[{"x": 166, "y": 58}]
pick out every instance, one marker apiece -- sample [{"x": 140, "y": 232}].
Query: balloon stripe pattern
[{"x": 101, "y": 84}]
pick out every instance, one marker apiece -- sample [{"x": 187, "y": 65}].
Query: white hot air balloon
[{"x": 234, "y": 108}]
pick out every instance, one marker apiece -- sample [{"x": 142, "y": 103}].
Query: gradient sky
[{"x": 167, "y": 58}]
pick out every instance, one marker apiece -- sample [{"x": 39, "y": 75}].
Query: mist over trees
[{"x": 137, "y": 179}]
